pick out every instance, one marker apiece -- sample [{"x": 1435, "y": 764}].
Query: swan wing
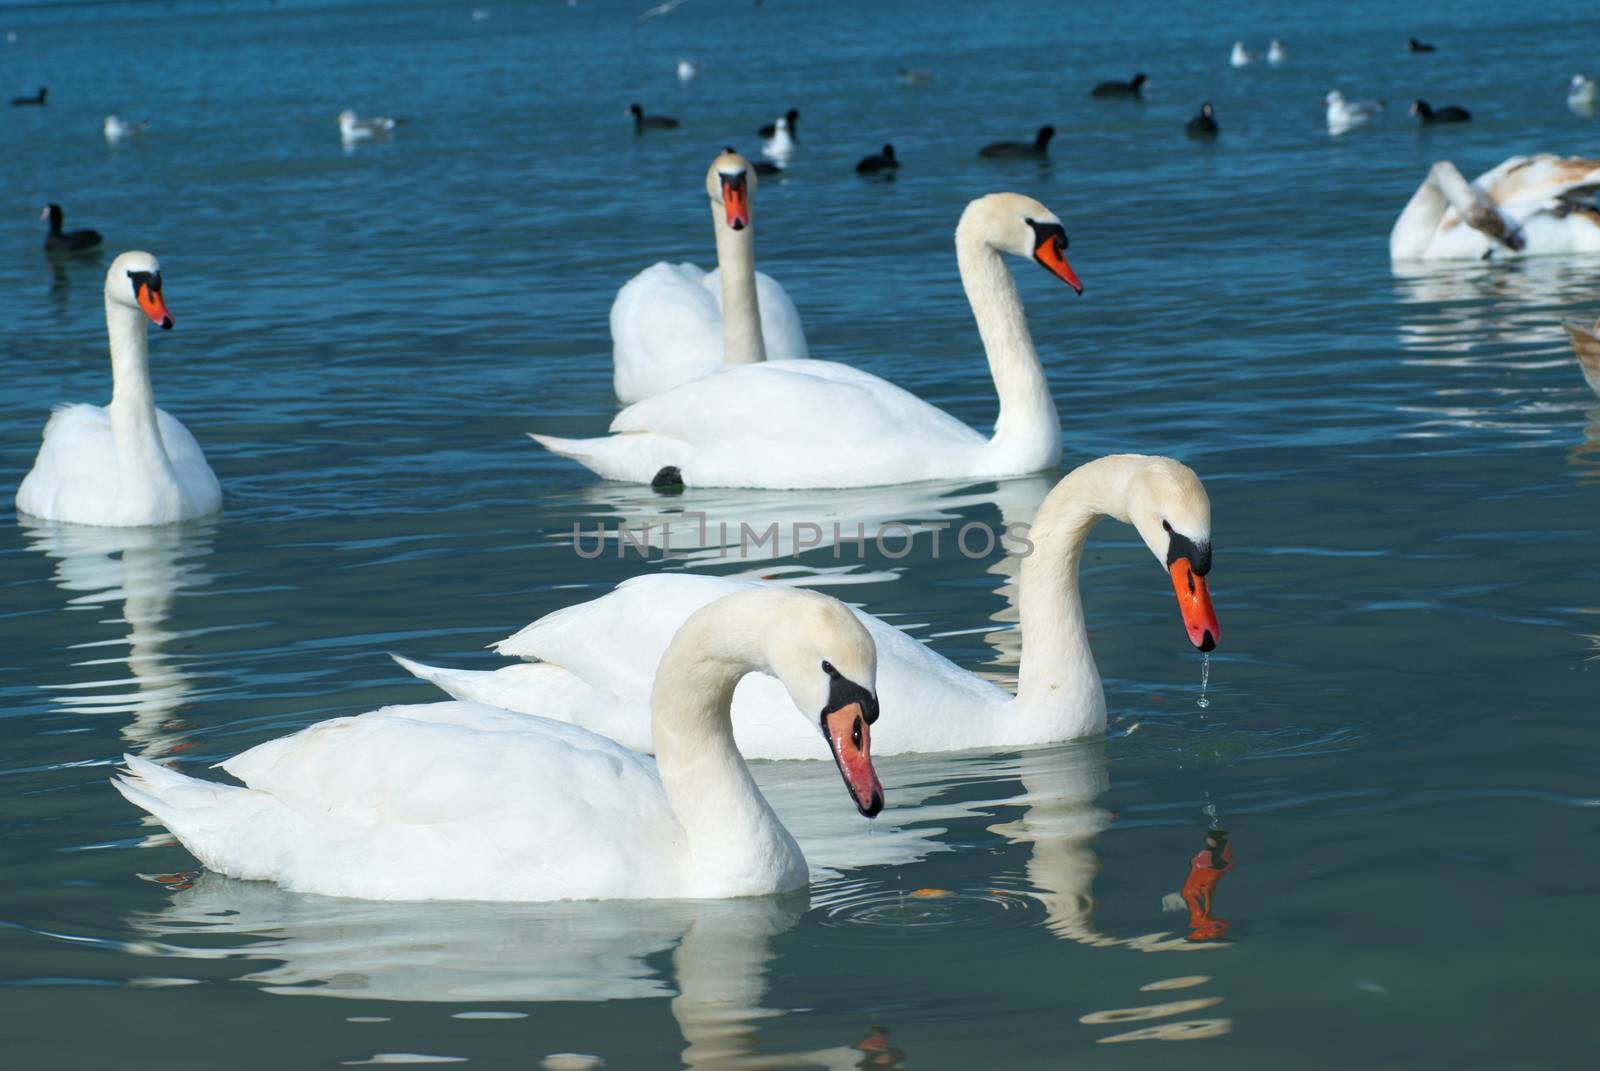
[
  {"x": 77, "y": 463},
  {"x": 613, "y": 644},
  {"x": 189, "y": 463},
  {"x": 444, "y": 801},
  {"x": 666, "y": 329},
  {"x": 1527, "y": 182}
]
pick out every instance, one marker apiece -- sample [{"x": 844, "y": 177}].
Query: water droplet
[{"x": 1205, "y": 679}]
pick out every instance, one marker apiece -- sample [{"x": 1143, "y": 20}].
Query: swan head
[
  {"x": 1167, "y": 504},
  {"x": 731, "y": 182},
  {"x": 134, "y": 281},
  {"x": 347, "y": 118},
  {"x": 1334, "y": 99},
  {"x": 826, "y": 660},
  {"x": 1017, "y": 224}
]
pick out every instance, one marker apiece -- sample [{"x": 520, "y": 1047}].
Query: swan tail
[
  {"x": 536, "y": 688},
  {"x": 632, "y": 457},
  {"x": 206, "y": 817}
]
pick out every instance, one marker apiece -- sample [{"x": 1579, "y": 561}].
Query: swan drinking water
[
  {"x": 673, "y": 323},
  {"x": 456, "y": 801},
  {"x": 591, "y": 664},
  {"x": 760, "y": 425},
  {"x": 1527, "y": 206},
  {"x": 127, "y": 463}
]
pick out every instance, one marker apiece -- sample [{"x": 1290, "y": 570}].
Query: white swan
[
  {"x": 128, "y": 463},
  {"x": 1581, "y": 95},
  {"x": 804, "y": 424},
  {"x": 673, "y": 323},
  {"x": 1276, "y": 53},
  {"x": 1344, "y": 115},
  {"x": 457, "y": 801},
  {"x": 1527, "y": 206},
  {"x": 592, "y": 664},
  {"x": 1240, "y": 57}
]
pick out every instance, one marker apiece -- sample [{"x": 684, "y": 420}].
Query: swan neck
[
  {"x": 133, "y": 405},
  {"x": 741, "y": 308},
  {"x": 728, "y": 824},
  {"x": 1057, "y": 677},
  {"x": 1027, "y": 418}
]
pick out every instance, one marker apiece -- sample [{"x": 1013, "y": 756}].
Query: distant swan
[
  {"x": 353, "y": 127},
  {"x": 1581, "y": 95},
  {"x": 457, "y": 801},
  {"x": 800, "y": 424},
  {"x": 673, "y": 323},
  {"x": 116, "y": 129},
  {"x": 1527, "y": 206},
  {"x": 128, "y": 463}
]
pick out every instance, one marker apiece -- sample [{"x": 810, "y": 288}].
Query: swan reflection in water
[
  {"x": 715, "y": 527},
  {"x": 468, "y": 953},
  {"x": 143, "y": 570}
]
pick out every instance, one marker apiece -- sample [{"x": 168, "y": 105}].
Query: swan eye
[
  {"x": 827, "y": 667},
  {"x": 151, "y": 279}
]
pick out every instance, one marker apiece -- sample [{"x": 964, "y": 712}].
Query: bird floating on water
[
  {"x": 38, "y": 99},
  {"x": 122, "y": 129},
  {"x": 1276, "y": 53},
  {"x": 1038, "y": 147},
  {"x": 781, "y": 136},
  {"x": 1581, "y": 95},
  {"x": 881, "y": 161},
  {"x": 1203, "y": 125},
  {"x": 59, "y": 241},
  {"x": 353, "y": 127},
  {"x": 1240, "y": 57},
  {"x": 1413, "y": 45},
  {"x": 1344, "y": 114},
  {"x": 688, "y": 70},
  {"x": 643, "y": 122},
  {"x": 1134, "y": 88},
  {"x": 1431, "y": 116}
]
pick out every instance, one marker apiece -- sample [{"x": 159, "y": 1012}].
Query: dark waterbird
[
  {"x": 643, "y": 122},
  {"x": 1132, "y": 88},
  {"x": 1039, "y": 146},
  {"x": 23, "y": 102},
  {"x": 771, "y": 129},
  {"x": 1203, "y": 125},
  {"x": 883, "y": 161},
  {"x": 1448, "y": 114},
  {"x": 58, "y": 241},
  {"x": 765, "y": 167},
  {"x": 1419, "y": 46}
]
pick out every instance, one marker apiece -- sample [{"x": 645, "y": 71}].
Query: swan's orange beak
[
  {"x": 1053, "y": 255},
  {"x": 850, "y": 737},
  {"x": 1194, "y": 603},
  {"x": 736, "y": 200},
  {"x": 154, "y": 306}
]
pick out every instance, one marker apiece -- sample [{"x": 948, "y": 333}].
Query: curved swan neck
[
  {"x": 729, "y": 825},
  {"x": 1027, "y": 418},
  {"x": 1057, "y": 677},
  {"x": 741, "y": 308}
]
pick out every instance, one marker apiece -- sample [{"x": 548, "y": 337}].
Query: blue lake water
[{"x": 1404, "y": 470}]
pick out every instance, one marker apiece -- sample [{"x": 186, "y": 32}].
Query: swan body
[
  {"x": 353, "y": 127},
  {"x": 1344, "y": 115},
  {"x": 1581, "y": 95},
  {"x": 1241, "y": 57},
  {"x": 809, "y": 424},
  {"x": 116, "y": 129},
  {"x": 1526, "y": 206},
  {"x": 458, "y": 801},
  {"x": 674, "y": 323},
  {"x": 688, "y": 70},
  {"x": 1276, "y": 53},
  {"x": 593, "y": 663},
  {"x": 127, "y": 463}
]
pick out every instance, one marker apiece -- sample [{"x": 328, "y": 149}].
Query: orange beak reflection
[
  {"x": 850, "y": 737},
  {"x": 736, "y": 201},
  {"x": 1054, "y": 258},
  {"x": 1194, "y": 603},
  {"x": 154, "y": 306}
]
